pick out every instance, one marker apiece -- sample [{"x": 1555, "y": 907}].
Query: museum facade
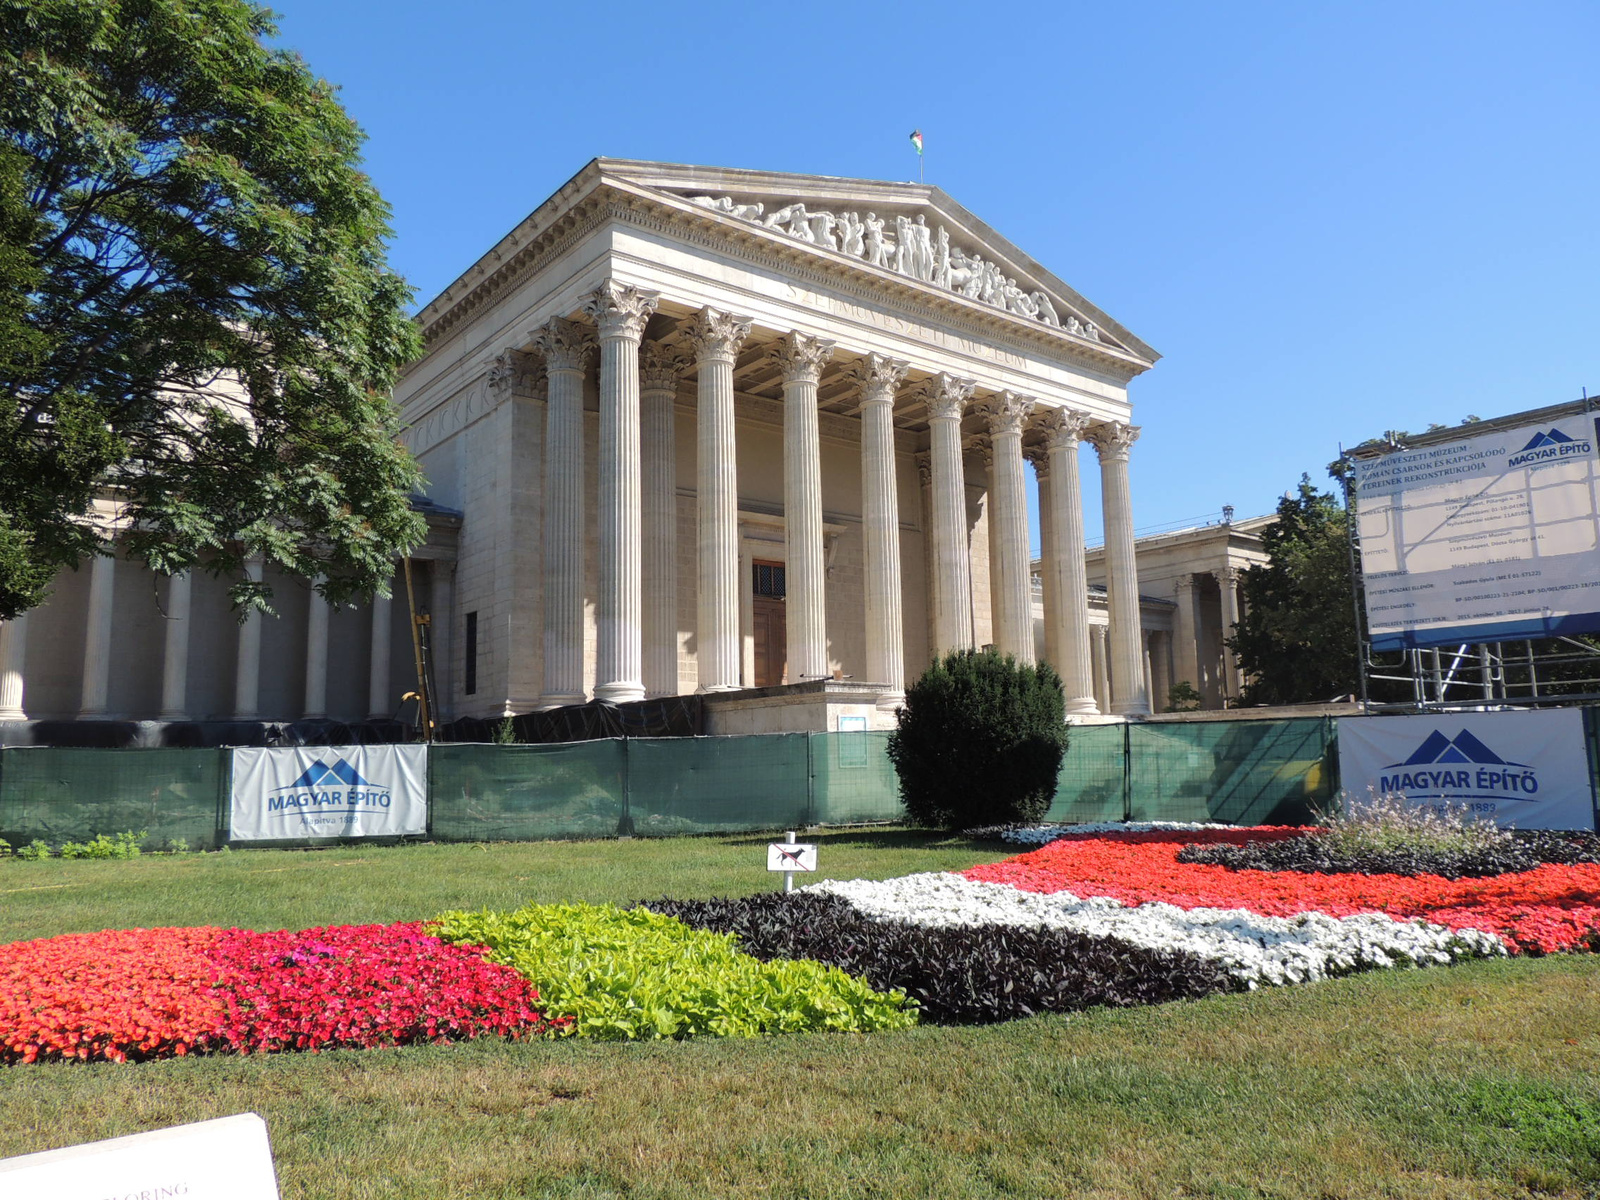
[{"x": 752, "y": 435}]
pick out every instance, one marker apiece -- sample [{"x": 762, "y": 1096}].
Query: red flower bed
[
  {"x": 156, "y": 993},
  {"x": 1547, "y": 909}
]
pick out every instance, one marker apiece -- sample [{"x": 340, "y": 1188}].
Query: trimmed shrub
[
  {"x": 980, "y": 742},
  {"x": 968, "y": 975}
]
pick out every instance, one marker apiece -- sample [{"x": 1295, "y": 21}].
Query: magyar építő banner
[
  {"x": 328, "y": 791},
  {"x": 1529, "y": 770}
]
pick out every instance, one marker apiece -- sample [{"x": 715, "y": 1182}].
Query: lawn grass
[
  {"x": 1473, "y": 1081},
  {"x": 296, "y": 889}
]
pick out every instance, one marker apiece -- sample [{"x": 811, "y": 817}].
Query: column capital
[
  {"x": 980, "y": 444},
  {"x": 514, "y": 371},
  {"x": 564, "y": 344},
  {"x": 1113, "y": 440},
  {"x": 620, "y": 310},
  {"x": 1005, "y": 412},
  {"x": 716, "y": 335},
  {"x": 1183, "y": 585},
  {"x": 1062, "y": 427},
  {"x": 1038, "y": 456},
  {"x": 1229, "y": 574},
  {"x": 660, "y": 365},
  {"x": 801, "y": 357},
  {"x": 878, "y": 377},
  {"x": 924, "y": 460},
  {"x": 946, "y": 396}
]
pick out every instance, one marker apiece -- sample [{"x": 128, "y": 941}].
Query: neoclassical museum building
[{"x": 758, "y": 436}]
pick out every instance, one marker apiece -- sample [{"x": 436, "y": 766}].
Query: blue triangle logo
[{"x": 320, "y": 772}]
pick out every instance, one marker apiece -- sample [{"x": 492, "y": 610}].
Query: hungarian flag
[{"x": 916, "y": 139}]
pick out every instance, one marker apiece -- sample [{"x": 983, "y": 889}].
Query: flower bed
[
  {"x": 159, "y": 993},
  {"x": 1546, "y": 909}
]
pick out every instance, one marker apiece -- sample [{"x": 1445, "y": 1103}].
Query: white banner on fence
[
  {"x": 329, "y": 791},
  {"x": 1524, "y": 769}
]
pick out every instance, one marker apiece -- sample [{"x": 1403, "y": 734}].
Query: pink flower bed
[{"x": 159, "y": 993}]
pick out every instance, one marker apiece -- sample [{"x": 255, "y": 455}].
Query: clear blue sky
[{"x": 1331, "y": 219}]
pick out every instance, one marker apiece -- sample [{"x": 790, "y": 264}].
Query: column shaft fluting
[
  {"x": 97, "y": 637},
  {"x": 13, "y": 668},
  {"x": 716, "y": 338},
  {"x": 1063, "y": 431},
  {"x": 379, "y": 702},
  {"x": 1049, "y": 590},
  {"x": 565, "y": 345},
  {"x": 316, "y": 705},
  {"x": 659, "y": 370},
  {"x": 801, "y": 359},
  {"x": 175, "y": 656},
  {"x": 1129, "y": 695},
  {"x": 879, "y": 377},
  {"x": 946, "y": 398},
  {"x": 1010, "y": 588},
  {"x": 247, "y": 669},
  {"x": 620, "y": 312}
]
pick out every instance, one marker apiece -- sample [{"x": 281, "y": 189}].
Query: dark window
[
  {"x": 769, "y": 580},
  {"x": 470, "y": 674}
]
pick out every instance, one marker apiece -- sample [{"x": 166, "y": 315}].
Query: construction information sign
[
  {"x": 328, "y": 791},
  {"x": 1490, "y": 538}
]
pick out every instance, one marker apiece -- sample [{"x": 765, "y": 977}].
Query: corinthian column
[
  {"x": 565, "y": 345},
  {"x": 1129, "y": 695},
  {"x": 13, "y": 662},
  {"x": 247, "y": 671},
  {"x": 801, "y": 358},
  {"x": 1185, "y": 639},
  {"x": 620, "y": 312},
  {"x": 1011, "y": 590},
  {"x": 1063, "y": 429},
  {"x": 945, "y": 398},
  {"x": 175, "y": 659},
  {"x": 879, "y": 377},
  {"x": 658, "y": 384},
  {"x": 716, "y": 338},
  {"x": 97, "y": 637},
  {"x": 1228, "y": 584}
]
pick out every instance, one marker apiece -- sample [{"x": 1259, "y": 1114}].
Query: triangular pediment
[{"x": 910, "y": 230}]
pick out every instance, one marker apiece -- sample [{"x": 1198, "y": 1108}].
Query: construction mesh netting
[{"x": 1246, "y": 772}]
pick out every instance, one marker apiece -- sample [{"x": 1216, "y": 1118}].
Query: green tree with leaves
[
  {"x": 1296, "y": 641},
  {"x": 196, "y": 318}
]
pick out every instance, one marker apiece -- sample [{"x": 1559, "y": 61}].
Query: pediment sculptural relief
[{"x": 908, "y": 246}]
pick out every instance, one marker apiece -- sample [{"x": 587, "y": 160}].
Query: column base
[
  {"x": 1082, "y": 706},
  {"x": 712, "y": 689},
  {"x": 1131, "y": 710},
  {"x": 546, "y": 703},
  {"x": 619, "y": 693},
  {"x": 166, "y": 714},
  {"x": 891, "y": 701}
]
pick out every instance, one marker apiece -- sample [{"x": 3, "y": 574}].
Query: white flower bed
[
  {"x": 1253, "y": 948},
  {"x": 1039, "y": 835}
]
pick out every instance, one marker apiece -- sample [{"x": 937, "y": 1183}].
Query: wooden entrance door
[{"x": 771, "y": 626}]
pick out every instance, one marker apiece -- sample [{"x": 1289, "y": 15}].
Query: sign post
[{"x": 790, "y": 856}]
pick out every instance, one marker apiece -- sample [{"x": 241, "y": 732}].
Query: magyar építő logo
[
  {"x": 1459, "y": 769},
  {"x": 1551, "y": 445},
  {"x": 322, "y": 788}
]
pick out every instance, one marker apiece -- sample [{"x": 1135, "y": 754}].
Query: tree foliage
[
  {"x": 197, "y": 321},
  {"x": 980, "y": 741},
  {"x": 1296, "y": 639}
]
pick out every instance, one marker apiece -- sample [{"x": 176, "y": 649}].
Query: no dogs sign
[{"x": 791, "y": 856}]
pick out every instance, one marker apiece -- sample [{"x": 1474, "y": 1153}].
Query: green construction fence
[{"x": 1246, "y": 772}]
